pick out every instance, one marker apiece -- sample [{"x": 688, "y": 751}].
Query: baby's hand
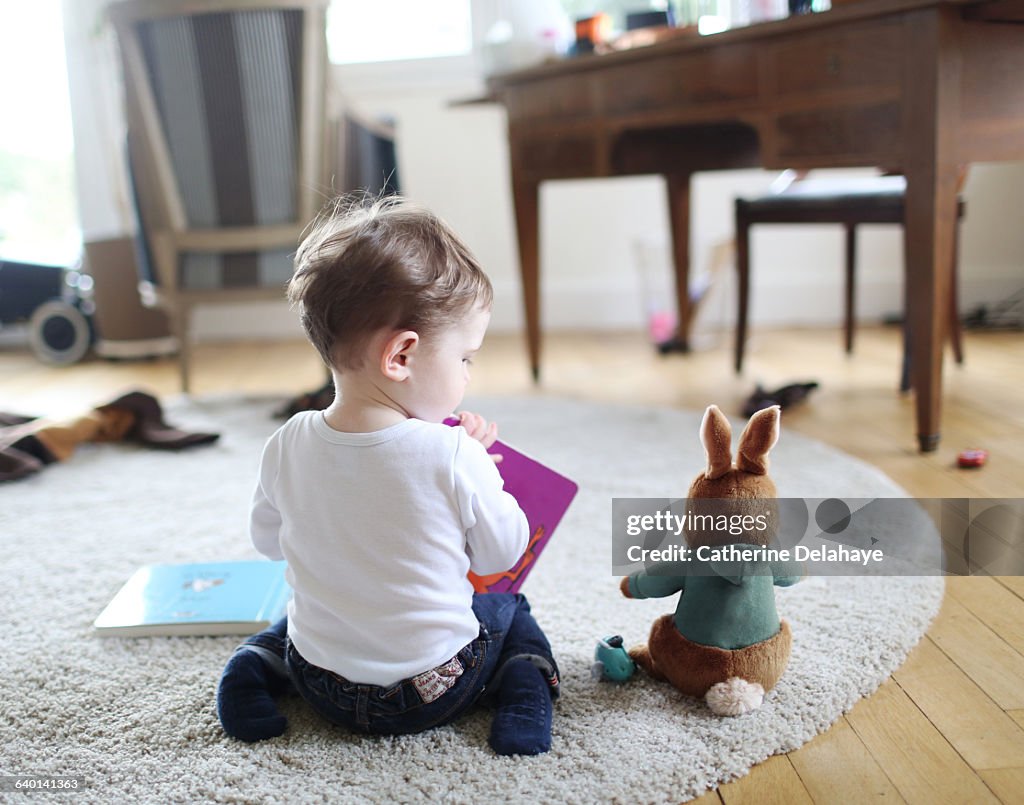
[{"x": 479, "y": 428}]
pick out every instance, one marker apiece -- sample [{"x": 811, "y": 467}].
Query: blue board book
[{"x": 216, "y": 598}]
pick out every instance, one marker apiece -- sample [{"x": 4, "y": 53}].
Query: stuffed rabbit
[{"x": 725, "y": 642}]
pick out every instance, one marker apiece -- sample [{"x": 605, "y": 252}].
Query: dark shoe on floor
[
  {"x": 783, "y": 397},
  {"x": 15, "y": 464},
  {"x": 7, "y": 419},
  {"x": 150, "y": 429},
  {"x": 33, "y": 447}
]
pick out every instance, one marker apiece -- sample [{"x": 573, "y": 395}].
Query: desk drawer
[
  {"x": 568, "y": 98},
  {"x": 836, "y": 137},
  {"x": 712, "y": 76},
  {"x": 868, "y": 56},
  {"x": 557, "y": 155}
]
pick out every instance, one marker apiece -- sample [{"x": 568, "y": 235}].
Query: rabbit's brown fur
[{"x": 693, "y": 668}]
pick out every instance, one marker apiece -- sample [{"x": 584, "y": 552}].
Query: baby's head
[
  {"x": 370, "y": 269},
  {"x": 385, "y": 265}
]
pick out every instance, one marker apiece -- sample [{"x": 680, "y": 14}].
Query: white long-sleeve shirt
[{"x": 379, "y": 531}]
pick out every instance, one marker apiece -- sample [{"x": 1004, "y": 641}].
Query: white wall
[{"x": 454, "y": 159}]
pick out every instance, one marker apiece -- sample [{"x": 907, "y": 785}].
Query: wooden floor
[{"x": 949, "y": 725}]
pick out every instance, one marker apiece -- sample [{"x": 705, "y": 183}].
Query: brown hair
[{"x": 369, "y": 265}]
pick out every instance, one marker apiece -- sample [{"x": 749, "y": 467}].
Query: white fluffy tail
[{"x": 734, "y": 697}]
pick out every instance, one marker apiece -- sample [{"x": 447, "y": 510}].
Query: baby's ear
[
  {"x": 716, "y": 436},
  {"x": 757, "y": 440},
  {"x": 394, "y": 359}
]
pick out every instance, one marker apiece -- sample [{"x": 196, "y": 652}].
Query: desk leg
[
  {"x": 930, "y": 222},
  {"x": 525, "y": 196},
  {"x": 679, "y": 220},
  {"x": 930, "y": 124}
]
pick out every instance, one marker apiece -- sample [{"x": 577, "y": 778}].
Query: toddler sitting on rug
[{"x": 381, "y": 511}]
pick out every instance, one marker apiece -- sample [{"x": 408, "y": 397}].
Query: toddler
[{"x": 381, "y": 511}]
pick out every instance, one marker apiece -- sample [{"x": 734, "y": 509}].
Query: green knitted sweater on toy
[{"x": 723, "y": 603}]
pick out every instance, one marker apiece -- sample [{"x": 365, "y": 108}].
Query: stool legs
[
  {"x": 749, "y": 213},
  {"x": 743, "y": 282},
  {"x": 851, "y": 267},
  {"x": 905, "y": 370}
]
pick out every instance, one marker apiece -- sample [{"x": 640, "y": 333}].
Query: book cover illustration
[
  {"x": 218, "y": 598},
  {"x": 544, "y": 496}
]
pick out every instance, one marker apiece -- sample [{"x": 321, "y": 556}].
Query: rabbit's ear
[
  {"x": 757, "y": 439},
  {"x": 716, "y": 436}
]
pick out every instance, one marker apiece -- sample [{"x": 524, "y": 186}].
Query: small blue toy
[{"x": 611, "y": 660}]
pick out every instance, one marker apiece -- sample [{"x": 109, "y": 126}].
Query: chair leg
[
  {"x": 851, "y": 267},
  {"x": 905, "y": 371},
  {"x": 743, "y": 282},
  {"x": 955, "y": 335},
  {"x": 185, "y": 347}
]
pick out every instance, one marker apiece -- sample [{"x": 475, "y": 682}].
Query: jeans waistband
[{"x": 465, "y": 657}]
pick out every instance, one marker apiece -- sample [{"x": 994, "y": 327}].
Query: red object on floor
[{"x": 972, "y": 457}]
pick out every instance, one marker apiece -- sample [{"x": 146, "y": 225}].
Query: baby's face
[{"x": 441, "y": 370}]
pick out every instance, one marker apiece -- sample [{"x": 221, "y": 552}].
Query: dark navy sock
[
  {"x": 522, "y": 717},
  {"x": 245, "y": 698}
]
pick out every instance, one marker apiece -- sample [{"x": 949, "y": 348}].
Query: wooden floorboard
[
  {"x": 981, "y": 732},
  {"x": 836, "y": 766},
  {"x": 947, "y": 727},
  {"x": 1007, "y": 784},
  {"x": 773, "y": 782},
  {"x": 916, "y": 757},
  {"x": 1014, "y": 584},
  {"x": 982, "y": 654},
  {"x": 1000, "y": 609},
  {"x": 708, "y": 798}
]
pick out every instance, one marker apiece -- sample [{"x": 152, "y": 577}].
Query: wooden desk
[{"x": 920, "y": 86}]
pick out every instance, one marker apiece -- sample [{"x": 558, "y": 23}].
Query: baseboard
[{"x": 137, "y": 348}]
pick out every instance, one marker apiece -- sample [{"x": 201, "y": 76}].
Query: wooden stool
[{"x": 851, "y": 202}]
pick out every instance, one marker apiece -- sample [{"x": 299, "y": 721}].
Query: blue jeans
[{"x": 507, "y": 632}]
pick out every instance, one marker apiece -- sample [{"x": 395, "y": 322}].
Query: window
[
  {"x": 389, "y": 30},
  {"x": 38, "y": 214}
]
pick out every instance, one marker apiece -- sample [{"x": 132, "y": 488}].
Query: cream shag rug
[{"x": 134, "y": 718}]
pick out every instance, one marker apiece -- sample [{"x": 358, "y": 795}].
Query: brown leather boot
[{"x": 149, "y": 427}]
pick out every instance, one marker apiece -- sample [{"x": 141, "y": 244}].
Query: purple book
[{"x": 542, "y": 494}]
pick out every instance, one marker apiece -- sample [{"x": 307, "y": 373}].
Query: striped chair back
[
  {"x": 226, "y": 87},
  {"x": 227, "y": 135}
]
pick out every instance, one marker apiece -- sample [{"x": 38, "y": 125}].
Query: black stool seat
[
  {"x": 877, "y": 200},
  {"x": 849, "y": 202}
]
